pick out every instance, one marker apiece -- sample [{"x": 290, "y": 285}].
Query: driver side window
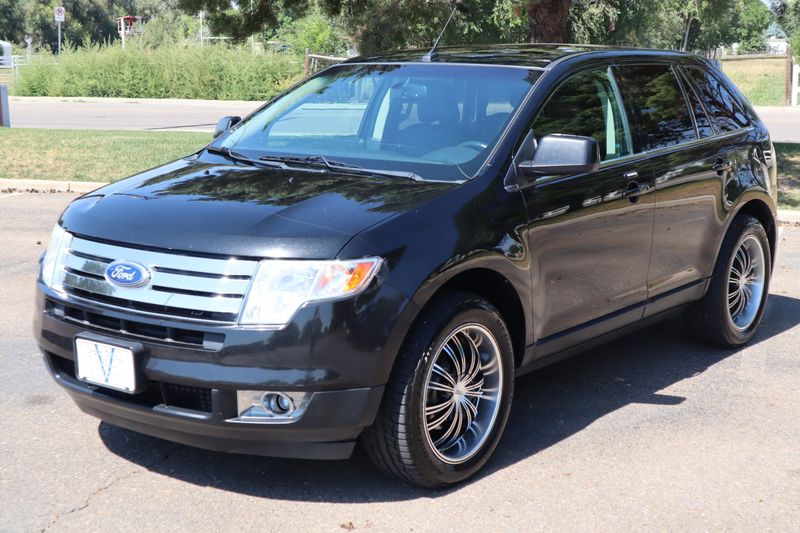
[{"x": 587, "y": 104}]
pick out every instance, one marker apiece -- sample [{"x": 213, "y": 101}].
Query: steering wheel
[{"x": 475, "y": 145}]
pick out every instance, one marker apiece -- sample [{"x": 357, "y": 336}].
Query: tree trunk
[
  {"x": 687, "y": 27},
  {"x": 547, "y": 21}
]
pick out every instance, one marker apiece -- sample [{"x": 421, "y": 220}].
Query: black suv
[{"x": 377, "y": 253}]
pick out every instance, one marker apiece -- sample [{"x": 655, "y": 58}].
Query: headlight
[
  {"x": 55, "y": 257},
  {"x": 279, "y": 288}
]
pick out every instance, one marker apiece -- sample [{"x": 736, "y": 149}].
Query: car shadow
[{"x": 550, "y": 405}]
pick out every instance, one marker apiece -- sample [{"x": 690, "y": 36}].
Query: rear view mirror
[
  {"x": 558, "y": 155},
  {"x": 224, "y": 124}
]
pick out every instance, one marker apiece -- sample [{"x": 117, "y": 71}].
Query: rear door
[
  {"x": 693, "y": 157},
  {"x": 590, "y": 234},
  {"x": 686, "y": 186}
]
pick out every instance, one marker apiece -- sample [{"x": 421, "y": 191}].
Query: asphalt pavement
[
  {"x": 650, "y": 432},
  {"x": 123, "y": 113},
  {"x": 202, "y": 115}
]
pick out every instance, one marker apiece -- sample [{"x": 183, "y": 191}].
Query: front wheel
[
  {"x": 448, "y": 399},
  {"x": 730, "y": 312}
]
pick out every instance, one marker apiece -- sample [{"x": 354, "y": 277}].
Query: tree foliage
[
  {"x": 331, "y": 26},
  {"x": 314, "y": 32},
  {"x": 12, "y": 21},
  {"x": 248, "y": 17},
  {"x": 787, "y": 15},
  {"x": 674, "y": 24},
  {"x": 86, "y": 20}
]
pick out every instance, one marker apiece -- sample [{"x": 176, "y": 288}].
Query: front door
[{"x": 590, "y": 235}]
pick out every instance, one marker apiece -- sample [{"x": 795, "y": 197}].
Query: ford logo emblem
[{"x": 127, "y": 274}]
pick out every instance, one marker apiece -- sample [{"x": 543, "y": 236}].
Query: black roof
[{"x": 523, "y": 55}]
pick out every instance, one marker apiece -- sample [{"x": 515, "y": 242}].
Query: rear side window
[
  {"x": 656, "y": 104},
  {"x": 701, "y": 120},
  {"x": 587, "y": 104},
  {"x": 725, "y": 110}
]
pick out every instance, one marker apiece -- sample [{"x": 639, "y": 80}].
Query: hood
[{"x": 245, "y": 211}]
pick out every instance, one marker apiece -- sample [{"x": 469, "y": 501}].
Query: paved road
[
  {"x": 650, "y": 432},
  {"x": 783, "y": 122},
  {"x": 122, "y": 113},
  {"x": 201, "y": 115}
]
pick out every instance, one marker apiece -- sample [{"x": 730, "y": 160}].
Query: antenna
[{"x": 433, "y": 55}]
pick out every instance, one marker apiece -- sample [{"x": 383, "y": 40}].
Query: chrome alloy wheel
[
  {"x": 746, "y": 283},
  {"x": 462, "y": 393}
]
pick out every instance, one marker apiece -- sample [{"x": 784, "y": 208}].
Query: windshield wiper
[
  {"x": 236, "y": 156},
  {"x": 315, "y": 161},
  {"x": 322, "y": 161}
]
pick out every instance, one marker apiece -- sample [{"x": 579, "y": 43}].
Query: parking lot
[{"x": 649, "y": 432}]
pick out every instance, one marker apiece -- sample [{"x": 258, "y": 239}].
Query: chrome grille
[{"x": 181, "y": 285}]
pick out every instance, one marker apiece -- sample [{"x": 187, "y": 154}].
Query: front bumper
[
  {"x": 327, "y": 430},
  {"x": 190, "y": 394}
]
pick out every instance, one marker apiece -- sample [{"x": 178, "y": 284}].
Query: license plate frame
[{"x": 107, "y": 363}]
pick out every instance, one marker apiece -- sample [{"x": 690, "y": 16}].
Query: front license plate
[{"x": 105, "y": 365}]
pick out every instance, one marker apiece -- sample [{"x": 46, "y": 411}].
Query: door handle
[
  {"x": 722, "y": 165},
  {"x": 632, "y": 175}
]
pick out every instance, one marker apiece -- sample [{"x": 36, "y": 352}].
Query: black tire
[
  {"x": 398, "y": 442},
  {"x": 710, "y": 318}
]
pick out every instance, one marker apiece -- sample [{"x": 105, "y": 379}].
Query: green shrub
[
  {"x": 216, "y": 72},
  {"x": 796, "y": 46},
  {"x": 315, "y": 32}
]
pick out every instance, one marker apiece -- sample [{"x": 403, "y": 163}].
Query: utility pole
[
  {"x": 201, "y": 28},
  {"x": 252, "y": 37}
]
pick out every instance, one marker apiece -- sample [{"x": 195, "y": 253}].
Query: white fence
[{"x": 9, "y": 65}]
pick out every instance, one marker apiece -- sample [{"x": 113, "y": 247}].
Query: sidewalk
[
  {"x": 789, "y": 217},
  {"x": 17, "y": 186},
  {"x": 123, "y": 113}
]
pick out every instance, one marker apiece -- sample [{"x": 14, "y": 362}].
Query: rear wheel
[
  {"x": 730, "y": 312},
  {"x": 447, "y": 402}
]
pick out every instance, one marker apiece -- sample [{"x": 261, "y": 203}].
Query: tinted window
[
  {"x": 704, "y": 128},
  {"x": 725, "y": 111},
  {"x": 587, "y": 105},
  {"x": 438, "y": 121},
  {"x": 656, "y": 104}
]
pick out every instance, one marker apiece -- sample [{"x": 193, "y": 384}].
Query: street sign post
[
  {"x": 59, "y": 14},
  {"x": 28, "y": 42}
]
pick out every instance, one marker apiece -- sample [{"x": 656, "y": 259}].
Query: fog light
[
  {"x": 277, "y": 403},
  {"x": 270, "y": 407}
]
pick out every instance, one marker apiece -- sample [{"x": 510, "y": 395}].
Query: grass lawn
[
  {"x": 761, "y": 80},
  {"x": 90, "y": 155},
  {"x": 788, "y": 175},
  {"x": 93, "y": 155}
]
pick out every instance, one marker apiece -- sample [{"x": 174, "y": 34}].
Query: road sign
[
  {"x": 60, "y": 14},
  {"x": 28, "y": 40}
]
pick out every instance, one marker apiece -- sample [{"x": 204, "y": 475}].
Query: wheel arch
[
  {"x": 495, "y": 288},
  {"x": 758, "y": 208}
]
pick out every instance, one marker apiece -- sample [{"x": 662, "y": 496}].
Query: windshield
[{"x": 436, "y": 121}]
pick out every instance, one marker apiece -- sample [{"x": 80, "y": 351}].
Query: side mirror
[
  {"x": 559, "y": 155},
  {"x": 224, "y": 124}
]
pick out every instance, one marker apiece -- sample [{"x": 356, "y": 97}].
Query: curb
[
  {"x": 14, "y": 185},
  {"x": 788, "y": 217}
]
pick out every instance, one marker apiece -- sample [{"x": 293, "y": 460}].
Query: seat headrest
[{"x": 438, "y": 105}]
